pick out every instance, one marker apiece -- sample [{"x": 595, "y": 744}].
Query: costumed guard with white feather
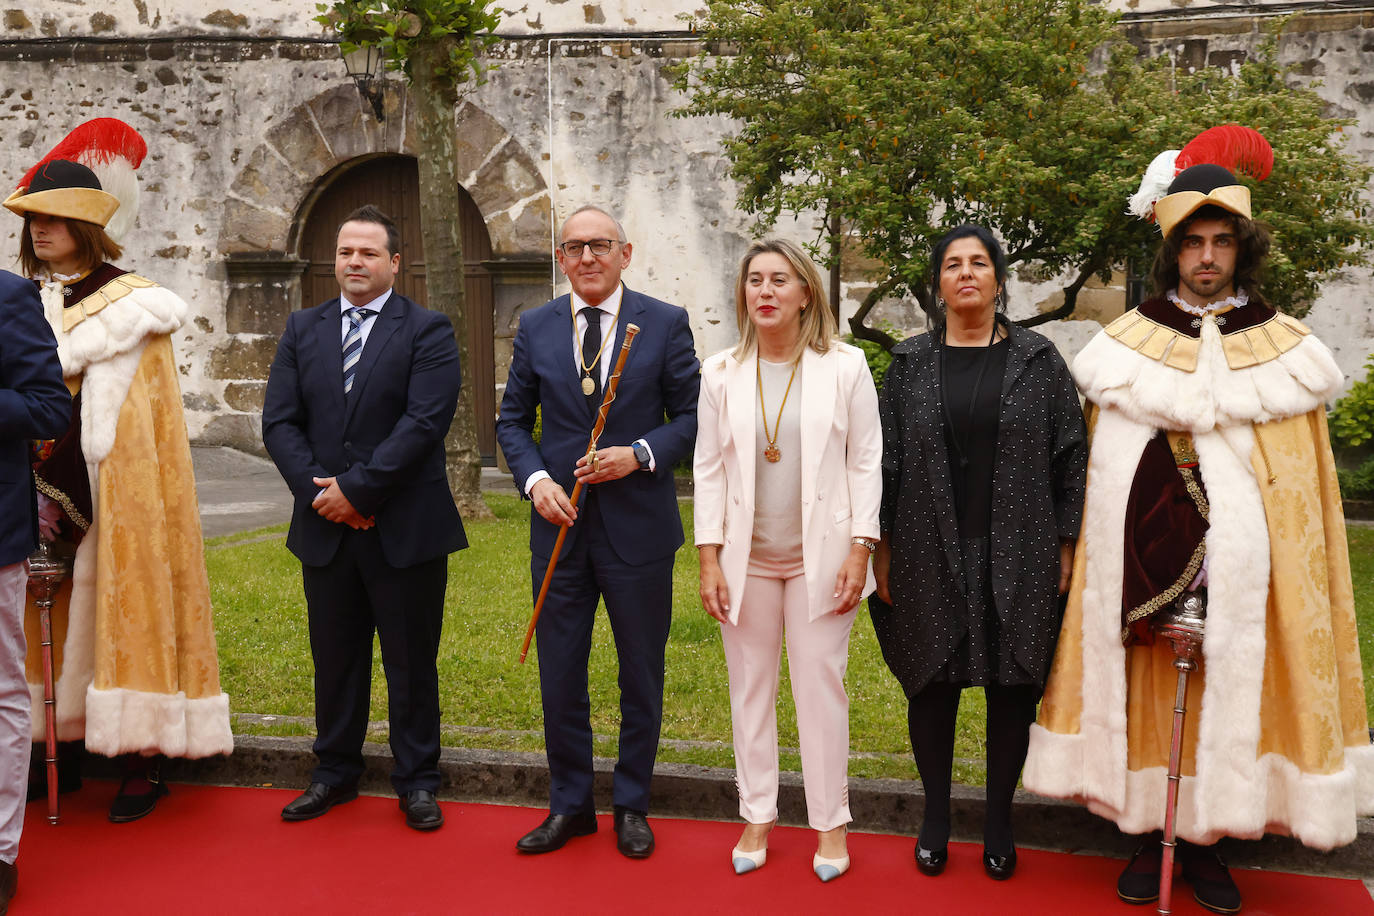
[
  {"x": 137, "y": 672},
  {"x": 1210, "y": 470}
]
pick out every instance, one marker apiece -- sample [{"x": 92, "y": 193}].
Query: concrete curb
[{"x": 708, "y": 793}]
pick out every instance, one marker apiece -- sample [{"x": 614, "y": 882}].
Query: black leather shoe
[
  {"x": 422, "y": 811},
  {"x": 316, "y": 800},
  {"x": 9, "y": 880},
  {"x": 999, "y": 868},
  {"x": 1207, "y": 873},
  {"x": 633, "y": 837},
  {"x": 556, "y": 830},
  {"x": 1139, "y": 881},
  {"x": 931, "y": 861},
  {"x": 131, "y": 805}
]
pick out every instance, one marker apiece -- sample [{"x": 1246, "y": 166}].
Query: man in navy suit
[
  {"x": 627, "y": 529},
  {"x": 361, "y": 394},
  {"x": 34, "y": 404}
]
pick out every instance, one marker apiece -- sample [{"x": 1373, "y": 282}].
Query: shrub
[{"x": 1352, "y": 419}]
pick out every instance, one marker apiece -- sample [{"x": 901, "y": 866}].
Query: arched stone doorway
[{"x": 392, "y": 183}]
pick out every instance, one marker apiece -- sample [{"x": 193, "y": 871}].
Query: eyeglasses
[{"x": 599, "y": 247}]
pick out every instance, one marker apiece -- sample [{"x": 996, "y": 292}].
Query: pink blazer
[{"x": 841, "y": 452}]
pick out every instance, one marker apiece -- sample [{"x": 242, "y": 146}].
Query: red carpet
[{"x": 217, "y": 850}]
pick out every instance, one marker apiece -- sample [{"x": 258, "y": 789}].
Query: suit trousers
[
  {"x": 349, "y": 598},
  {"x": 817, "y": 656},
  {"x": 639, "y": 602},
  {"x": 15, "y": 736}
]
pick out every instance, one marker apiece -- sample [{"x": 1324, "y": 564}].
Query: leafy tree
[
  {"x": 437, "y": 45},
  {"x": 903, "y": 118}
]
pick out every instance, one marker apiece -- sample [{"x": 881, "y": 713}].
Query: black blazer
[
  {"x": 1038, "y": 484},
  {"x": 384, "y": 443},
  {"x": 656, "y": 401},
  {"x": 34, "y": 404}
]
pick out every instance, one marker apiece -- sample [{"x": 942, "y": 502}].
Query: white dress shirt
[{"x": 375, "y": 305}]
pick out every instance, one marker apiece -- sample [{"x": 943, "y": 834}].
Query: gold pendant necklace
[
  {"x": 589, "y": 383},
  {"x": 772, "y": 453}
]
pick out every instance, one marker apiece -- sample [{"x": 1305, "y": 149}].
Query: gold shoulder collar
[
  {"x": 1243, "y": 349},
  {"x": 113, "y": 291}
]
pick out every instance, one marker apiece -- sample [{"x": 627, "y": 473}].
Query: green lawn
[{"x": 489, "y": 700}]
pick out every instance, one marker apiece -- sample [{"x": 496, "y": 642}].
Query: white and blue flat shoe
[{"x": 829, "y": 869}]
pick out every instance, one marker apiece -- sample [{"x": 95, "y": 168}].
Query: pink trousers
[{"x": 817, "y": 655}]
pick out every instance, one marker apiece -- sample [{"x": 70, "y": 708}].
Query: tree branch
[
  {"x": 1097, "y": 262},
  {"x": 856, "y": 321}
]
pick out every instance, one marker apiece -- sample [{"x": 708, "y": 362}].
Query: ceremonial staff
[
  {"x": 46, "y": 572},
  {"x": 611, "y": 384},
  {"x": 1182, "y": 627}
]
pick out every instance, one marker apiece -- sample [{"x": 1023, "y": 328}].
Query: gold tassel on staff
[{"x": 611, "y": 384}]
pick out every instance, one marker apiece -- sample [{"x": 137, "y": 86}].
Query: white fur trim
[
  {"x": 117, "y": 328},
  {"x": 129, "y": 721},
  {"x": 1230, "y": 777},
  {"x": 1111, "y": 374}
]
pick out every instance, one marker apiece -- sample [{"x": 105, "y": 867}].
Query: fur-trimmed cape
[
  {"x": 1276, "y": 737},
  {"x": 138, "y": 670}
]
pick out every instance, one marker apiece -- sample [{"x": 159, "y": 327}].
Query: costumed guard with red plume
[
  {"x": 1210, "y": 475},
  {"x": 136, "y": 669}
]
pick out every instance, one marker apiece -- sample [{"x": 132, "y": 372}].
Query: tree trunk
[{"x": 441, "y": 229}]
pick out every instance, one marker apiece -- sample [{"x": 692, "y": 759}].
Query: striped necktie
[{"x": 353, "y": 343}]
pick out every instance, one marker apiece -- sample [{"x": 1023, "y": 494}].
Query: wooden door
[{"x": 392, "y": 184}]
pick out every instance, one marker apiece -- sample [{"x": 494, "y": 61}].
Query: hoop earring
[{"x": 999, "y": 302}]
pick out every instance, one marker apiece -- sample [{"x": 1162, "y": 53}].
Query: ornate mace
[
  {"x": 47, "y": 570},
  {"x": 1182, "y": 627},
  {"x": 612, "y": 384}
]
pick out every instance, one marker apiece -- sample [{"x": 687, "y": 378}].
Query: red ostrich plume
[
  {"x": 97, "y": 142},
  {"x": 1232, "y": 147}
]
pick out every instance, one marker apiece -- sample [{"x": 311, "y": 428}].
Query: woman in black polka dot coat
[{"x": 984, "y": 466}]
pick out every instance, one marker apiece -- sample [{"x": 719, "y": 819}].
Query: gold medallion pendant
[
  {"x": 773, "y": 454},
  {"x": 588, "y": 386}
]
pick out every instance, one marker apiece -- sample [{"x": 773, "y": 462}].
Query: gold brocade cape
[
  {"x": 1276, "y": 737},
  {"x": 134, "y": 640}
]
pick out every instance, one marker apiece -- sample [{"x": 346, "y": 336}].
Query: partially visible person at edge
[
  {"x": 788, "y": 480},
  {"x": 984, "y": 455},
  {"x": 627, "y": 530},
  {"x": 34, "y": 404},
  {"x": 1210, "y": 472},
  {"x": 117, "y": 491}
]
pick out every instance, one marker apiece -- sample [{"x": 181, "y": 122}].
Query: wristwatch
[
  {"x": 641, "y": 455},
  {"x": 866, "y": 543}
]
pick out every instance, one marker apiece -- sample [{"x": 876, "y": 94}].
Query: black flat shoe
[
  {"x": 931, "y": 861},
  {"x": 556, "y": 830},
  {"x": 1211, "y": 880},
  {"x": 130, "y": 806},
  {"x": 999, "y": 868},
  {"x": 1139, "y": 881},
  {"x": 421, "y": 810},
  {"x": 316, "y": 800},
  {"x": 633, "y": 837}
]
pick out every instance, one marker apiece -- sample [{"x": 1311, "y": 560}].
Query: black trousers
[
  {"x": 348, "y": 599},
  {"x": 931, "y": 718}
]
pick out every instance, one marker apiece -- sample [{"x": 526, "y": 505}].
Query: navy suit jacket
[
  {"x": 34, "y": 404},
  {"x": 384, "y": 442},
  {"x": 660, "y": 379}
]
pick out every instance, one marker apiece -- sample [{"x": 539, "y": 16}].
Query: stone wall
[{"x": 248, "y": 113}]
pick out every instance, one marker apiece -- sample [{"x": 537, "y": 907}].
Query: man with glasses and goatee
[{"x": 626, "y": 530}]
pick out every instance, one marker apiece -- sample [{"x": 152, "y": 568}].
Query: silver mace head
[
  {"x": 1183, "y": 625},
  {"x": 47, "y": 569}
]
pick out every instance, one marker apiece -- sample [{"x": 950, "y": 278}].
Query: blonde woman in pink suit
[{"x": 788, "y": 485}]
